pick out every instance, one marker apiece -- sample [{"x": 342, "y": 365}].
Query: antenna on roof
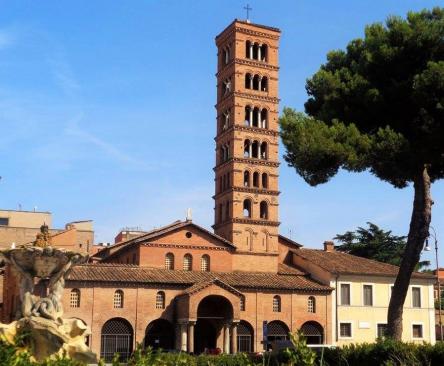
[{"x": 189, "y": 215}]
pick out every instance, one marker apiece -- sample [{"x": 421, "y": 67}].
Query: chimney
[{"x": 329, "y": 246}]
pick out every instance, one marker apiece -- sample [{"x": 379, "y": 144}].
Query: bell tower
[{"x": 247, "y": 154}]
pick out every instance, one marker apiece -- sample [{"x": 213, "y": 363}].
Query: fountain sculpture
[{"x": 40, "y": 326}]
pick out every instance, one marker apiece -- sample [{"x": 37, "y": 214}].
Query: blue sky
[{"x": 107, "y": 112}]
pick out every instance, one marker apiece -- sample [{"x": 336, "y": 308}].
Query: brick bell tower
[{"x": 247, "y": 156}]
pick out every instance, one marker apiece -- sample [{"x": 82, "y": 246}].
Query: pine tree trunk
[{"x": 418, "y": 232}]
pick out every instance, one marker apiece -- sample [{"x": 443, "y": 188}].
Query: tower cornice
[
  {"x": 253, "y": 63},
  {"x": 261, "y": 131},
  {"x": 248, "y": 190},
  {"x": 248, "y": 222},
  {"x": 260, "y": 162}
]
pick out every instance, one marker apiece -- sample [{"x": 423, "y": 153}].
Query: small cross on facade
[{"x": 247, "y": 8}]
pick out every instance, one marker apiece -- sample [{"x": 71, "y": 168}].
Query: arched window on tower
[
  {"x": 226, "y": 55},
  {"x": 256, "y": 82},
  {"x": 248, "y": 115},
  {"x": 255, "y": 149},
  {"x": 311, "y": 305},
  {"x": 205, "y": 263},
  {"x": 246, "y": 178},
  {"x": 248, "y": 81},
  {"x": 264, "y": 118},
  {"x": 264, "y": 52},
  {"x": 264, "y": 180},
  {"x": 187, "y": 262},
  {"x": 227, "y": 210},
  {"x": 263, "y": 207},
  {"x": 226, "y": 119},
  {"x": 247, "y": 208},
  {"x": 169, "y": 261},
  {"x": 276, "y": 304},
  {"x": 226, "y": 86},
  {"x": 247, "y": 49},
  {"x": 255, "y": 50},
  {"x": 256, "y": 117},
  {"x": 247, "y": 149},
  {"x": 256, "y": 179},
  {"x": 264, "y": 154},
  {"x": 264, "y": 84},
  {"x": 118, "y": 299}
]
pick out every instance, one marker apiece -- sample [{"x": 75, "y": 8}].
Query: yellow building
[{"x": 361, "y": 296}]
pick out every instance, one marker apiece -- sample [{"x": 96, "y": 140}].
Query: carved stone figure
[{"x": 41, "y": 317}]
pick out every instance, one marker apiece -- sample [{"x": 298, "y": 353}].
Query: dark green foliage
[
  {"x": 374, "y": 243},
  {"x": 386, "y": 352},
  {"x": 378, "y": 105}
]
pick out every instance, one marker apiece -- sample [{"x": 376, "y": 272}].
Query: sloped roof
[
  {"x": 344, "y": 263},
  {"x": 287, "y": 241},
  {"x": 150, "y": 235},
  {"x": 144, "y": 275},
  {"x": 198, "y": 286}
]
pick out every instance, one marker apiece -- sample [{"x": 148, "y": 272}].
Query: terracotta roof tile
[
  {"x": 284, "y": 269},
  {"x": 344, "y": 263},
  {"x": 136, "y": 274}
]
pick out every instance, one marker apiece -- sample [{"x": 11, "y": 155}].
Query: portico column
[
  {"x": 183, "y": 333},
  {"x": 234, "y": 338},
  {"x": 191, "y": 337},
  {"x": 226, "y": 338}
]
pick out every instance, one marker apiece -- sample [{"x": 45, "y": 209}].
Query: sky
[{"x": 107, "y": 112}]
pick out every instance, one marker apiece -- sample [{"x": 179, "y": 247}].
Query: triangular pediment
[{"x": 201, "y": 286}]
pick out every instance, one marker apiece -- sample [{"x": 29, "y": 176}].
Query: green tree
[
  {"x": 375, "y": 243},
  {"x": 379, "y": 106}
]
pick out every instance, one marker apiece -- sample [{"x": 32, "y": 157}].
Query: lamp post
[{"x": 433, "y": 235}]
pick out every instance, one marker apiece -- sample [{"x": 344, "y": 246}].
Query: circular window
[{"x": 188, "y": 234}]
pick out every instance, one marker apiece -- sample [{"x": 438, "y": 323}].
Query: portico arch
[
  {"x": 313, "y": 332},
  {"x": 160, "y": 334},
  {"x": 214, "y": 316}
]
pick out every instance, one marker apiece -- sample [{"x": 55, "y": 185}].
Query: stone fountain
[{"x": 40, "y": 327}]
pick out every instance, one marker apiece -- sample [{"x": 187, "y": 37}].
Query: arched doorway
[
  {"x": 245, "y": 337},
  {"x": 276, "y": 331},
  {"x": 313, "y": 332},
  {"x": 117, "y": 337},
  {"x": 160, "y": 334},
  {"x": 213, "y": 313}
]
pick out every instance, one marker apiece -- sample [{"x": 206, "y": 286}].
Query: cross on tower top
[{"x": 248, "y": 9}]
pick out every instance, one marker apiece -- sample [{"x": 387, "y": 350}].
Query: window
[
  {"x": 188, "y": 234},
  {"x": 160, "y": 300},
  {"x": 246, "y": 178},
  {"x": 368, "y": 295},
  {"x": 169, "y": 261},
  {"x": 187, "y": 262},
  {"x": 381, "y": 330},
  {"x": 264, "y": 180},
  {"x": 205, "y": 263},
  {"x": 276, "y": 304},
  {"x": 4, "y": 221},
  {"x": 242, "y": 303},
  {"x": 311, "y": 305},
  {"x": 416, "y": 297},
  {"x": 417, "y": 331},
  {"x": 75, "y": 298},
  {"x": 263, "y": 210},
  {"x": 264, "y": 114},
  {"x": 345, "y": 294},
  {"x": 256, "y": 179},
  {"x": 247, "y": 208},
  {"x": 118, "y": 299},
  {"x": 345, "y": 330},
  {"x": 263, "y": 150}
]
